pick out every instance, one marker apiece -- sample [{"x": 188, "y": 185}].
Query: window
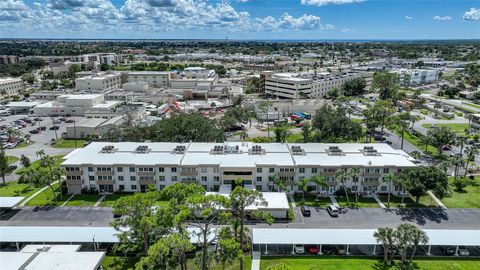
[
  {"x": 377, "y": 170},
  {"x": 354, "y": 188},
  {"x": 145, "y": 169},
  {"x": 174, "y": 178},
  {"x": 204, "y": 187},
  {"x": 90, "y": 169},
  {"x": 104, "y": 169},
  {"x": 133, "y": 178},
  {"x": 287, "y": 169},
  {"x": 367, "y": 170},
  {"x": 314, "y": 170},
  {"x": 91, "y": 178},
  {"x": 174, "y": 169},
  {"x": 119, "y": 169},
  {"x": 258, "y": 187},
  {"x": 132, "y": 169},
  {"x": 301, "y": 170},
  {"x": 259, "y": 179},
  {"x": 383, "y": 188},
  {"x": 121, "y": 187},
  {"x": 162, "y": 187},
  {"x": 385, "y": 170},
  {"x": 271, "y": 170},
  {"x": 134, "y": 187},
  {"x": 161, "y": 169},
  {"x": 203, "y": 169},
  {"x": 259, "y": 170},
  {"x": 329, "y": 170},
  {"x": 120, "y": 178},
  {"x": 204, "y": 178},
  {"x": 161, "y": 178},
  {"x": 215, "y": 169},
  {"x": 216, "y": 178}
]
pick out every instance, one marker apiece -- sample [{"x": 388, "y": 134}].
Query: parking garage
[{"x": 358, "y": 242}]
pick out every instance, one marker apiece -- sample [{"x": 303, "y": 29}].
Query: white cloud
[
  {"x": 408, "y": 17},
  {"x": 347, "y": 30},
  {"x": 144, "y": 16},
  {"x": 472, "y": 14},
  {"x": 442, "y": 18},
  {"x": 329, "y": 2}
]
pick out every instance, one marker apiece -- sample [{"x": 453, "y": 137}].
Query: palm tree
[
  {"x": 29, "y": 174},
  {"x": 4, "y": 166},
  {"x": 355, "y": 173},
  {"x": 461, "y": 141},
  {"x": 25, "y": 161},
  {"x": 418, "y": 237},
  {"x": 12, "y": 133},
  {"x": 320, "y": 181},
  {"x": 343, "y": 175},
  {"x": 471, "y": 152},
  {"x": 303, "y": 186},
  {"x": 456, "y": 161},
  {"x": 46, "y": 178},
  {"x": 403, "y": 239},
  {"x": 57, "y": 174},
  {"x": 385, "y": 236},
  {"x": 389, "y": 178},
  {"x": 279, "y": 182}
]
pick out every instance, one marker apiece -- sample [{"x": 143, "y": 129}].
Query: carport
[
  {"x": 268, "y": 240},
  {"x": 6, "y": 203}
]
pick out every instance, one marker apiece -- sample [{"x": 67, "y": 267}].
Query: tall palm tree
[
  {"x": 385, "y": 236},
  {"x": 343, "y": 175},
  {"x": 29, "y": 174},
  {"x": 389, "y": 178},
  {"x": 279, "y": 182},
  {"x": 303, "y": 186},
  {"x": 456, "y": 161},
  {"x": 461, "y": 141},
  {"x": 320, "y": 181},
  {"x": 25, "y": 161},
  {"x": 12, "y": 133},
  {"x": 418, "y": 237},
  {"x": 4, "y": 166},
  {"x": 403, "y": 239},
  {"x": 471, "y": 152},
  {"x": 57, "y": 173},
  {"x": 355, "y": 173}
]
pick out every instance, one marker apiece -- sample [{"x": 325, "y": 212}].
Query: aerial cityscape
[{"x": 241, "y": 134}]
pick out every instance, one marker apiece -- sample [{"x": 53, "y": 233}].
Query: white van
[
  {"x": 4, "y": 113},
  {"x": 332, "y": 210}
]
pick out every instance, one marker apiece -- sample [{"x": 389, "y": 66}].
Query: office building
[
  {"x": 76, "y": 105},
  {"x": 409, "y": 77},
  {"x": 103, "y": 81},
  {"x": 10, "y": 86},
  {"x": 155, "y": 79},
  {"x": 130, "y": 167}
]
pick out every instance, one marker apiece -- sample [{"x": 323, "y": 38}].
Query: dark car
[
  {"x": 34, "y": 131},
  {"x": 449, "y": 250},
  {"x": 306, "y": 211},
  {"x": 42, "y": 128},
  {"x": 12, "y": 167},
  {"x": 69, "y": 121},
  {"x": 54, "y": 128}
]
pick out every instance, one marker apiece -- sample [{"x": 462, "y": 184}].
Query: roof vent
[
  {"x": 108, "y": 149},
  {"x": 232, "y": 149},
  {"x": 256, "y": 150},
  {"x": 297, "y": 150},
  {"x": 217, "y": 150},
  {"x": 142, "y": 149},
  {"x": 370, "y": 151},
  {"x": 334, "y": 151},
  {"x": 179, "y": 149}
]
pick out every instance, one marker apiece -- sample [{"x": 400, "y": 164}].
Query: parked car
[
  {"x": 54, "y": 128},
  {"x": 306, "y": 211},
  {"x": 328, "y": 250},
  {"x": 341, "y": 250},
  {"x": 449, "y": 250},
  {"x": 34, "y": 131},
  {"x": 12, "y": 168},
  {"x": 332, "y": 210},
  {"x": 37, "y": 119},
  {"x": 463, "y": 251},
  {"x": 69, "y": 121},
  {"x": 42, "y": 128},
  {"x": 446, "y": 147},
  {"x": 312, "y": 249},
  {"x": 299, "y": 249}
]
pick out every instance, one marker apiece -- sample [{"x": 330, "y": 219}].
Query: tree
[
  {"x": 228, "y": 251},
  {"x": 240, "y": 199},
  {"x": 343, "y": 175},
  {"x": 354, "y": 87},
  {"x": 417, "y": 181},
  {"x": 166, "y": 253},
  {"x": 25, "y": 161},
  {"x": 418, "y": 237},
  {"x": 279, "y": 182},
  {"x": 401, "y": 122},
  {"x": 440, "y": 136},
  {"x": 385, "y": 83},
  {"x": 137, "y": 215},
  {"x": 281, "y": 133},
  {"x": 303, "y": 186},
  {"x": 457, "y": 161},
  {"x": 332, "y": 125},
  {"x": 4, "y": 166},
  {"x": 471, "y": 152},
  {"x": 385, "y": 236},
  {"x": 390, "y": 178},
  {"x": 320, "y": 181},
  {"x": 202, "y": 212},
  {"x": 46, "y": 178},
  {"x": 306, "y": 129},
  {"x": 12, "y": 134}
]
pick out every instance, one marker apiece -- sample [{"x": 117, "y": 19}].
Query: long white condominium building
[
  {"x": 99, "y": 82},
  {"x": 10, "y": 86},
  {"x": 130, "y": 167},
  {"x": 290, "y": 85}
]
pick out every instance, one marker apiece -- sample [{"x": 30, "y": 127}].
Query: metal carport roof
[{"x": 57, "y": 234}]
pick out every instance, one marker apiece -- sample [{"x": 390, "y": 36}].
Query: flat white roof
[
  {"x": 274, "y": 200},
  {"x": 355, "y": 236},
  {"x": 53, "y": 260},
  {"x": 275, "y": 154},
  {"x": 13, "y": 260},
  {"x": 9, "y": 202},
  {"x": 58, "y": 234},
  {"x": 50, "y": 248}
]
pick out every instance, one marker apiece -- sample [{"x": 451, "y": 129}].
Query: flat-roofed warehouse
[{"x": 130, "y": 167}]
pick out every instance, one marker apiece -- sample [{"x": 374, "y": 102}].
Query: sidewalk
[
  {"x": 35, "y": 194},
  {"x": 334, "y": 201},
  {"x": 378, "y": 201},
  {"x": 256, "y": 260},
  {"x": 437, "y": 201}
]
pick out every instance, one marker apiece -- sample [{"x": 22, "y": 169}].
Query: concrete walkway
[
  {"x": 99, "y": 201},
  {"x": 334, "y": 201},
  {"x": 36, "y": 193},
  {"x": 256, "y": 260},
  {"x": 437, "y": 201},
  {"x": 379, "y": 201},
  {"x": 63, "y": 204},
  {"x": 292, "y": 200}
]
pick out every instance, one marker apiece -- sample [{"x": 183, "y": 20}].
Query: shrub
[{"x": 460, "y": 183}]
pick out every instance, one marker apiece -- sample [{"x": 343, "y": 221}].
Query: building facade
[
  {"x": 108, "y": 81},
  {"x": 131, "y": 167},
  {"x": 10, "y": 86},
  {"x": 155, "y": 79}
]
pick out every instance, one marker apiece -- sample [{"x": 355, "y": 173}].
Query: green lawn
[
  {"x": 12, "y": 159},
  {"x": 14, "y": 189},
  {"x": 126, "y": 263},
  {"x": 408, "y": 202},
  {"x": 457, "y": 128},
  {"x": 469, "y": 198},
  {"x": 46, "y": 198},
  {"x": 63, "y": 143},
  {"x": 83, "y": 200},
  {"x": 362, "y": 201},
  {"x": 414, "y": 140},
  {"x": 37, "y": 164},
  {"x": 358, "y": 263},
  {"x": 110, "y": 200},
  {"x": 472, "y": 105},
  {"x": 23, "y": 144},
  {"x": 310, "y": 201}
]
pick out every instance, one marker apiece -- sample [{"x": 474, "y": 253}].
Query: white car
[
  {"x": 299, "y": 249},
  {"x": 463, "y": 251}
]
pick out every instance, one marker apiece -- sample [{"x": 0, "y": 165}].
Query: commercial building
[
  {"x": 475, "y": 123},
  {"x": 92, "y": 127},
  {"x": 51, "y": 257},
  {"x": 10, "y": 86},
  {"x": 130, "y": 167},
  {"x": 408, "y": 77},
  {"x": 105, "y": 81},
  {"x": 295, "y": 86},
  {"x": 155, "y": 79},
  {"x": 8, "y": 59},
  {"x": 76, "y": 105},
  {"x": 97, "y": 59}
]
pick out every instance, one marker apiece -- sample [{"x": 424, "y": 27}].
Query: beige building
[
  {"x": 107, "y": 81},
  {"x": 10, "y": 86}
]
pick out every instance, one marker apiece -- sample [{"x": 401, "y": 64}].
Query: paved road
[{"x": 364, "y": 218}]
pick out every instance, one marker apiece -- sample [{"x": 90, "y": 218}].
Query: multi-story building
[
  {"x": 8, "y": 59},
  {"x": 10, "y": 86},
  {"x": 475, "y": 123},
  {"x": 97, "y": 59},
  {"x": 130, "y": 167},
  {"x": 78, "y": 105},
  {"x": 104, "y": 81},
  {"x": 295, "y": 86},
  {"x": 155, "y": 79},
  {"x": 408, "y": 77}
]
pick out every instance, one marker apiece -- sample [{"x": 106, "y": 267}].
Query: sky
[{"x": 241, "y": 19}]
